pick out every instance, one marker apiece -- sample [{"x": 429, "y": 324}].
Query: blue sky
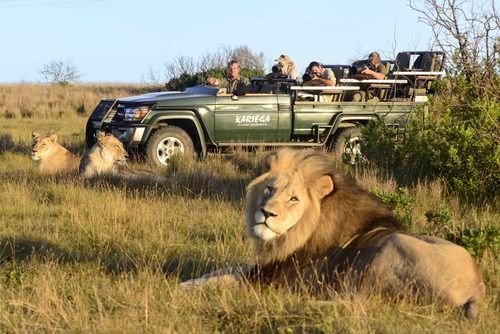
[{"x": 121, "y": 40}]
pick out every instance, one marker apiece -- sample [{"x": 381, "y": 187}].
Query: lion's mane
[{"x": 330, "y": 221}]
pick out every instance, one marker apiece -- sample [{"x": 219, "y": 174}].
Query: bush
[
  {"x": 189, "y": 80},
  {"x": 400, "y": 202},
  {"x": 457, "y": 142},
  {"x": 478, "y": 241}
]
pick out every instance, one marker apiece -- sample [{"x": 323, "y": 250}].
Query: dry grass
[
  {"x": 107, "y": 256},
  {"x": 25, "y": 101}
]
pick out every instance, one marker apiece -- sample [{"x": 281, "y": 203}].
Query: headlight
[{"x": 135, "y": 114}]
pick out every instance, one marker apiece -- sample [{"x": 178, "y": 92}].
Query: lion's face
[
  {"x": 42, "y": 145},
  {"x": 285, "y": 202},
  {"x": 112, "y": 149},
  {"x": 281, "y": 201}
]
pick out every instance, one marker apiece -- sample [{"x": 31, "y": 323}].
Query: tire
[
  {"x": 348, "y": 146},
  {"x": 166, "y": 142}
]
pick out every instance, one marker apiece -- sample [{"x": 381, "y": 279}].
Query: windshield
[
  {"x": 101, "y": 109},
  {"x": 202, "y": 89}
]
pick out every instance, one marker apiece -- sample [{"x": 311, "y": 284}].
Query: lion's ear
[
  {"x": 34, "y": 134},
  {"x": 100, "y": 137},
  {"x": 53, "y": 137},
  {"x": 325, "y": 185},
  {"x": 267, "y": 162}
]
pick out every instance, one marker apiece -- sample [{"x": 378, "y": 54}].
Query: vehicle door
[{"x": 248, "y": 118}]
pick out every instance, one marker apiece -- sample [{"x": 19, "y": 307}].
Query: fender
[
  {"x": 356, "y": 119},
  {"x": 178, "y": 114}
]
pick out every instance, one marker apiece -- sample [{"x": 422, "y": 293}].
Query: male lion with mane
[
  {"x": 109, "y": 157},
  {"x": 311, "y": 228},
  {"x": 52, "y": 157}
]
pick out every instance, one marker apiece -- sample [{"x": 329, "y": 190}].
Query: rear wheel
[
  {"x": 167, "y": 142},
  {"x": 348, "y": 145}
]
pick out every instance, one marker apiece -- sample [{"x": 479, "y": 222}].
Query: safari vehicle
[{"x": 276, "y": 112}]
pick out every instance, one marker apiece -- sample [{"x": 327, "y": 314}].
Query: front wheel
[
  {"x": 348, "y": 145},
  {"x": 167, "y": 142}
]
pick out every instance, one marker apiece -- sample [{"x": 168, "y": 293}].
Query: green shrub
[
  {"x": 441, "y": 216},
  {"x": 457, "y": 142},
  {"x": 378, "y": 145},
  {"x": 478, "y": 241},
  {"x": 400, "y": 202}
]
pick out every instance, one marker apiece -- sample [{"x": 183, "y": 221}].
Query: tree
[
  {"x": 185, "y": 71},
  {"x": 457, "y": 140},
  {"x": 468, "y": 32},
  {"x": 60, "y": 72}
]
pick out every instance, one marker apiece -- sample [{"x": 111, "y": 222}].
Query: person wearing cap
[
  {"x": 233, "y": 80},
  {"x": 287, "y": 66}
]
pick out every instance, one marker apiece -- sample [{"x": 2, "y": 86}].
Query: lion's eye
[
  {"x": 270, "y": 189},
  {"x": 294, "y": 199}
]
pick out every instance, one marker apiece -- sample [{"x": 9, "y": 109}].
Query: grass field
[{"x": 107, "y": 256}]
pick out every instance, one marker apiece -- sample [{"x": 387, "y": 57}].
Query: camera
[
  {"x": 370, "y": 66},
  {"x": 278, "y": 68},
  {"x": 308, "y": 76},
  {"x": 359, "y": 66}
]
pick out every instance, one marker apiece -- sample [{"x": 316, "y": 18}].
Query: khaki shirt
[
  {"x": 232, "y": 84},
  {"x": 381, "y": 69},
  {"x": 328, "y": 74}
]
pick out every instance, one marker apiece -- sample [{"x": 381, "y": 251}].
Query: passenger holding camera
[
  {"x": 320, "y": 76},
  {"x": 284, "y": 68},
  {"x": 375, "y": 67},
  {"x": 234, "y": 81},
  {"x": 287, "y": 67}
]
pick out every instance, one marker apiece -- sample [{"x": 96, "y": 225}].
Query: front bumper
[{"x": 131, "y": 135}]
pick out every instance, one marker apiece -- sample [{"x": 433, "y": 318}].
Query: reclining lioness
[
  {"x": 51, "y": 156},
  {"x": 109, "y": 157}
]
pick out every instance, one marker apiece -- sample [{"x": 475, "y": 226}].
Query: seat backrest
[
  {"x": 428, "y": 62},
  {"x": 338, "y": 71},
  {"x": 387, "y": 66},
  {"x": 402, "y": 62},
  {"x": 268, "y": 89},
  {"x": 438, "y": 62},
  {"x": 255, "y": 88},
  {"x": 417, "y": 64}
]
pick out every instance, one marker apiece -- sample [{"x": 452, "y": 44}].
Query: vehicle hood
[
  {"x": 173, "y": 98},
  {"x": 150, "y": 97}
]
